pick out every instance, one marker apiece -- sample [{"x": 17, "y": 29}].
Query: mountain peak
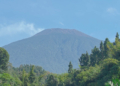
[{"x": 62, "y": 31}]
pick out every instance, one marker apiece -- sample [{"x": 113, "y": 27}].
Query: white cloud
[
  {"x": 61, "y": 23},
  {"x": 112, "y": 10},
  {"x": 21, "y": 27}
]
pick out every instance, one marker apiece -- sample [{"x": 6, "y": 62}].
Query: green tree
[
  {"x": 7, "y": 80},
  {"x": 70, "y": 67},
  {"x": 116, "y": 38},
  {"x": 32, "y": 75},
  {"x": 23, "y": 77},
  {"x": 117, "y": 35},
  {"x": 87, "y": 59},
  {"x": 94, "y": 57},
  {"x": 115, "y": 49},
  {"x": 4, "y": 58},
  {"x": 26, "y": 80},
  {"x": 52, "y": 81},
  {"x": 106, "y": 47},
  {"x": 68, "y": 82},
  {"x": 84, "y": 59},
  {"x": 101, "y": 46},
  {"x": 62, "y": 78},
  {"x": 102, "y": 55}
]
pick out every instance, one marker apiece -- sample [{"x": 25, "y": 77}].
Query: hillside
[{"x": 52, "y": 49}]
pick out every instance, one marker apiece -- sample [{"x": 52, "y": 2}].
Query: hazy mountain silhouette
[{"x": 52, "y": 49}]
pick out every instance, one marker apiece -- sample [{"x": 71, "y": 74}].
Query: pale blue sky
[{"x": 20, "y": 19}]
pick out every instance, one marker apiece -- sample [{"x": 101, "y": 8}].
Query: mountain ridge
[{"x": 65, "y": 31}]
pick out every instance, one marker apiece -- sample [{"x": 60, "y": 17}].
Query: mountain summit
[
  {"x": 63, "y": 31},
  {"x": 52, "y": 49}
]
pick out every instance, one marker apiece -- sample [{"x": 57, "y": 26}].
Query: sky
[{"x": 20, "y": 19}]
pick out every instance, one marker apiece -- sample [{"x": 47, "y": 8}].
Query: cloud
[
  {"x": 112, "y": 10},
  {"x": 61, "y": 23},
  {"x": 21, "y": 27}
]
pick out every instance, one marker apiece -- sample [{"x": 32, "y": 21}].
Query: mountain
[{"x": 52, "y": 49}]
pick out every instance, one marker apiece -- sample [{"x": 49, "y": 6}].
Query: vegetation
[
  {"x": 99, "y": 68},
  {"x": 4, "y": 58}
]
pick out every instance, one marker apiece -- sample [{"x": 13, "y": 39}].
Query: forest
[{"x": 100, "y": 68}]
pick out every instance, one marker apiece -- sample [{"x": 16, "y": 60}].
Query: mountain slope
[{"x": 52, "y": 49}]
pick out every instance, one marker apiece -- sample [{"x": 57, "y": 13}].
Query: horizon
[{"x": 98, "y": 19}]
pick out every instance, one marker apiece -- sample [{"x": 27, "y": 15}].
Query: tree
[
  {"x": 85, "y": 59},
  {"x": 32, "y": 75},
  {"x": 105, "y": 44},
  {"x": 94, "y": 57},
  {"x": 106, "y": 49},
  {"x": 52, "y": 81},
  {"x": 117, "y": 35},
  {"x": 102, "y": 56},
  {"x": 81, "y": 60},
  {"x": 70, "y": 67},
  {"x": 116, "y": 38},
  {"x": 4, "y": 58},
  {"x": 7, "y": 80},
  {"x": 101, "y": 46},
  {"x": 23, "y": 77}
]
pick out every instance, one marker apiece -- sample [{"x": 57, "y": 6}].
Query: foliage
[
  {"x": 4, "y": 58},
  {"x": 114, "y": 82},
  {"x": 8, "y": 80}
]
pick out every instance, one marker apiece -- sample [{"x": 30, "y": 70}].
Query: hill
[{"x": 52, "y": 49}]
